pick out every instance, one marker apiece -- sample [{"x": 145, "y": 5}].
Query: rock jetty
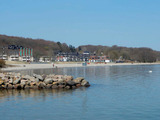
[{"x": 12, "y": 80}]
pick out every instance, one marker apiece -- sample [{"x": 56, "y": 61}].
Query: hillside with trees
[
  {"x": 40, "y": 47},
  {"x": 115, "y": 52},
  {"x": 49, "y": 48}
]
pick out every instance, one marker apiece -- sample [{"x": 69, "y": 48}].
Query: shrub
[{"x": 2, "y": 63}]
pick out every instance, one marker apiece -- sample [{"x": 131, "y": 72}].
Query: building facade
[{"x": 17, "y": 53}]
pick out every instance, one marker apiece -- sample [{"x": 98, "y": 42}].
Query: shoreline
[{"x": 49, "y": 66}]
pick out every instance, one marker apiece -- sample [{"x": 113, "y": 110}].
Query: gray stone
[
  {"x": 71, "y": 83},
  {"x": 24, "y": 82},
  {"x": 61, "y": 86},
  {"x": 17, "y": 86},
  {"x": 49, "y": 86},
  {"x": 10, "y": 86},
  {"x": 38, "y": 76},
  {"x": 60, "y": 80},
  {"x": 73, "y": 87},
  {"x": 85, "y": 83},
  {"x": 11, "y": 81},
  {"x": 41, "y": 85},
  {"x": 17, "y": 81},
  {"x": 78, "y": 80},
  {"x": 1, "y": 82},
  {"x": 26, "y": 77},
  {"x": 27, "y": 87},
  {"x": 78, "y": 85},
  {"x": 67, "y": 87},
  {"x": 48, "y": 81},
  {"x": 54, "y": 86},
  {"x": 2, "y": 75},
  {"x": 68, "y": 78}
]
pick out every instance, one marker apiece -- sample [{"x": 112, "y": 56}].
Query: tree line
[
  {"x": 43, "y": 47},
  {"x": 115, "y": 52}
]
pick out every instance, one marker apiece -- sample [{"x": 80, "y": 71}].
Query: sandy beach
[{"x": 47, "y": 66}]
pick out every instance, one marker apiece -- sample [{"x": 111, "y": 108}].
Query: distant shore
[{"x": 13, "y": 67}]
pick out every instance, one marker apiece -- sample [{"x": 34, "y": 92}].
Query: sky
[{"x": 129, "y": 23}]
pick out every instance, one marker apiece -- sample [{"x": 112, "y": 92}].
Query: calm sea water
[{"x": 116, "y": 93}]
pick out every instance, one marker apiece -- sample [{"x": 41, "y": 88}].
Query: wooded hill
[
  {"x": 115, "y": 52},
  {"x": 40, "y": 47},
  {"x": 48, "y": 48}
]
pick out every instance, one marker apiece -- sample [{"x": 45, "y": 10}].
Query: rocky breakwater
[{"x": 18, "y": 81}]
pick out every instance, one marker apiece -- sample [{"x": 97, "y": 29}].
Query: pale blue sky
[{"x": 131, "y": 23}]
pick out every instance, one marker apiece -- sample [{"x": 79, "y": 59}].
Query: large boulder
[
  {"x": 10, "y": 86},
  {"x": 17, "y": 81},
  {"x": 17, "y": 86},
  {"x": 49, "y": 86},
  {"x": 41, "y": 85},
  {"x": 24, "y": 82},
  {"x": 85, "y": 83},
  {"x": 26, "y": 77},
  {"x": 61, "y": 86},
  {"x": 39, "y": 77},
  {"x": 48, "y": 81},
  {"x": 67, "y": 87},
  {"x": 1, "y": 82},
  {"x": 68, "y": 78},
  {"x": 2, "y": 75},
  {"x": 78, "y": 80},
  {"x": 60, "y": 80},
  {"x": 71, "y": 83},
  {"x": 10, "y": 81},
  {"x": 54, "y": 86}
]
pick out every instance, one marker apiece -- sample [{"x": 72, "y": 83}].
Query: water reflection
[{"x": 36, "y": 94}]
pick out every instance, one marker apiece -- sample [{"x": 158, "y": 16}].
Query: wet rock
[
  {"x": 36, "y": 80},
  {"x": 85, "y": 83},
  {"x": 58, "y": 76},
  {"x": 61, "y": 86},
  {"x": 73, "y": 87},
  {"x": 27, "y": 87},
  {"x": 39, "y": 77},
  {"x": 49, "y": 86},
  {"x": 68, "y": 78},
  {"x": 10, "y": 81},
  {"x": 17, "y": 86},
  {"x": 41, "y": 85},
  {"x": 33, "y": 84},
  {"x": 1, "y": 82},
  {"x": 78, "y": 80},
  {"x": 2, "y": 75},
  {"x": 62, "y": 83},
  {"x": 44, "y": 76},
  {"x": 32, "y": 79},
  {"x": 23, "y": 86},
  {"x": 17, "y": 81},
  {"x": 10, "y": 86},
  {"x": 48, "y": 81},
  {"x": 54, "y": 86},
  {"x": 35, "y": 87},
  {"x": 26, "y": 77},
  {"x": 60, "y": 80},
  {"x": 70, "y": 83},
  {"x": 55, "y": 83},
  {"x": 24, "y": 82},
  {"x": 2, "y": 87},
  {"x": 78, "y": 85},
  {"x": 67, "y": 87}
]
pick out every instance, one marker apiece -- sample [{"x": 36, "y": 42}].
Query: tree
[{"x": 72, "y": 48}]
